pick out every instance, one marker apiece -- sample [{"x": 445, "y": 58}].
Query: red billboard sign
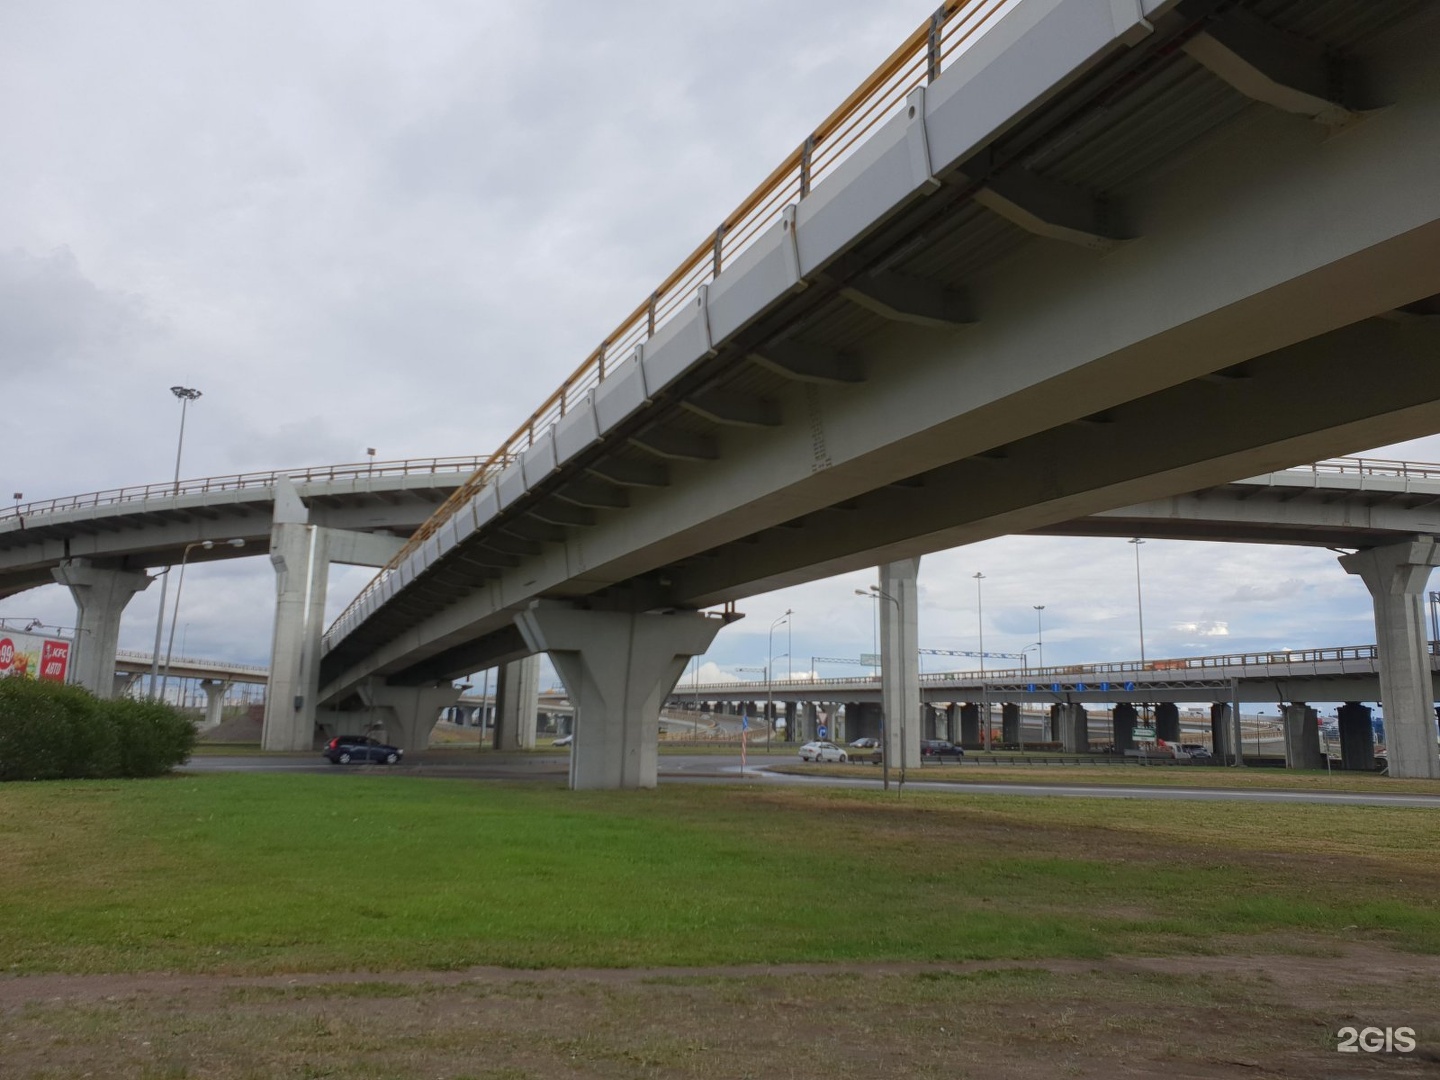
[{"x": 54, "y": 659}]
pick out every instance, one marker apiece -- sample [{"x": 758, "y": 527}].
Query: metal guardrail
[
  {"x": 241, "y": 481},
  {"x": 1382, "y": 467},
  {"x": 1290, "y": 658}
]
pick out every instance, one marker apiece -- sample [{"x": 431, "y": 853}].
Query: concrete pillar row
[
  {"x": 1302, "y": 737},
  {"x": 215, "y": 691},
  {"x": 1395, "y": 576},
  {"x": 517, "y": 694},
  {"x": 618, "y": 668},
  {"x": 1357, "y": 737},
  {"x": 900, "y": 660},
  {"x": 100, "y": 595}
]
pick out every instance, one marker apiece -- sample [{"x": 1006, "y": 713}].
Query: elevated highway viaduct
[{"x": 1100, "y": 254}]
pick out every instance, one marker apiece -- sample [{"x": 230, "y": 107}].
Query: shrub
[{"x": 50, "y": 731}]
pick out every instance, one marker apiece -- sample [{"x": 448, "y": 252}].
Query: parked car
[
  {"x": 823, "y": 751},
  {"x": 938, "y": 748},
  {"x": 866, "y": 743},
  {"x": 563, "y": 740},
  {"x": 1196, "y": 751},
  {"x": 347, "y": 748}
]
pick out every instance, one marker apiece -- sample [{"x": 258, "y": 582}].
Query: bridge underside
[{"x": 954, "y": 358}]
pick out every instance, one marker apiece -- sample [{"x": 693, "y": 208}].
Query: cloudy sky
[{"x": 357, "y": 224}]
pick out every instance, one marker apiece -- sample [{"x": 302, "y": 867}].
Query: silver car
[{"x": 822, "y": 751}]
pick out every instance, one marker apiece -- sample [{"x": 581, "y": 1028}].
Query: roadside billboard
[{"x": 33, "y": 656}]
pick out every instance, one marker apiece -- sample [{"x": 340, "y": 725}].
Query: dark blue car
[{"x": 347, "y": 748}]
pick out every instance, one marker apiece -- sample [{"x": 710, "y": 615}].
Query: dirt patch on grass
[{"x": 1202, "y": 1017}]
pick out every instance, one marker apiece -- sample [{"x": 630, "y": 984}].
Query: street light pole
[
  {"x": 1139, "y": 599},
  {"x": 1039, "y": 635},
  {"x": 980, "y": 626},
  {"x": 769, "y": 682},
  {"x": 186, "y": 395},
  {"x": 179, "y": 585}
]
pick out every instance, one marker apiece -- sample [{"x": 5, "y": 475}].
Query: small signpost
[
  {"x": 1144, "y": 733},
  {"x": 822, "y": 732}
]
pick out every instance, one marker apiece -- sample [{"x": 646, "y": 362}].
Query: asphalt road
[{"x": 712, "y": 768}]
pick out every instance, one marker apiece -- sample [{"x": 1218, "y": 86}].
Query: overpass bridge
[
  {"x": 1288, "y": 679},
  {"x": 1051, "y": 260}
]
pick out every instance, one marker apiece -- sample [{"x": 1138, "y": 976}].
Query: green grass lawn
[{"x": 244, "y": 872}]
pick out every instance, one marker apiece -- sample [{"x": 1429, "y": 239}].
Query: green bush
[{"x": 49, "y": 731}]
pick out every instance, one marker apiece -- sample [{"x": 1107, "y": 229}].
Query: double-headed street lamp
[
  {"x": 186, "y": 395},
  {"x": 877, "y": 593},
  {"x": 1139, "y": 599},
  {"x": 1039, "y": 634},
  {"x": 204, "y": 545}
]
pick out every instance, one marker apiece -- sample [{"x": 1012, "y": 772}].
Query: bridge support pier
[
  {"x": 1074, "y": 724},
  {"x": 1396, "y": 576},
  {"x": 1010, "y": 724},
  {"x": 618, "y": 668},
  {"x": 100, "y": 597},
  {"x": 900, "y": 660},
  {"x": 1302, "y": 737},
  {"x": 1167, "y": 721},
  {"x": 215, "y": 691},
  {"x": 1222, "y": 731},
  {"x": 792, "y": 712},
  {"x": 408, "y": 713},
  {"x": 1357, "y": 737},
  {"x": 970, "y": 725},
  {"x": 1123, "y": 722},
  {"x": 517, "y": 692}
]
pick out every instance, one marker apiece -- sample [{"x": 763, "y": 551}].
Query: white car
[{"x": 822, "y": 751}]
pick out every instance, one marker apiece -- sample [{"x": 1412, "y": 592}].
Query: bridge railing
[
  {"x": 1358, "y": 466},
  {"x": 240, "y": 481},
  {"x": 191, "y": 662},
  {"x": 918, "y": 60}
]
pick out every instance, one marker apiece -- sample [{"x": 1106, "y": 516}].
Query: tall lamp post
[
  {"x": 769, "y": 680},
  {"x": 186, "y": 395},
  {"x": 877, "y": 593},
  {"x": 1139, "y": 599},
  {"x": 1039, "y": 634},
  {"x": 980, "y": 627},
  {"x": 205, "y": 545}
]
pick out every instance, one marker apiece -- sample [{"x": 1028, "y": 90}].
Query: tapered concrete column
[
  {"x": 1074, "y": 727},
  {"x": 1396, "y": 576},
  {"x": 1302, "y": 738},
  {"x": 517, "y": 701},
  {"x": 1010, "y": 724},
  {"x": 618, "y": 668},
  {"x": 1054, "y": 728},
  {"x": 1167, "y": 722},
  {"x": 1357, "y": 737},
  {"x": 792, "y": 713},
  {"x": 408, "y": 713},
  {"x": 289, "y": 724},
  {"x": 969, "y": 725},
  {"x": 123, "y": 681},
  {"x": 215, "y": 691},
  {"x": 1222, "y": 730},
  {"x": 900, "y": 660},
  {"x": 812, "y": 721},
  {"x": 100, "y": 597},
  {"x": 1123, "y": 721}
]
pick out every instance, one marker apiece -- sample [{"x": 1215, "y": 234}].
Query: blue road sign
[
  {"x": 822, "y": 732},
  {"x": 1054, "y": 687},
  {"x": 1030, "y": 688},
  {"x": 1104, "y": 687},
  {"x": 1129, "y": 686},
  {"x": 1080, "y": 687}
]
